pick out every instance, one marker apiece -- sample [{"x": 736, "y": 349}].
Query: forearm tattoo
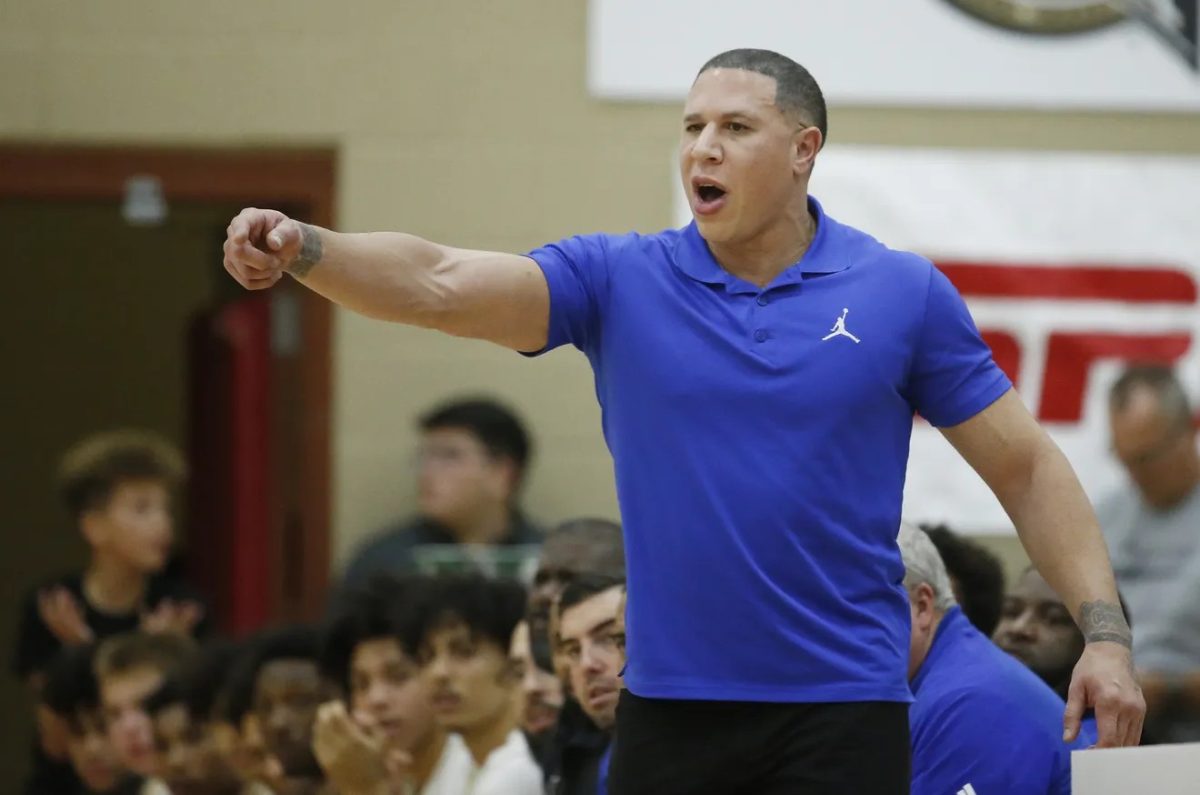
[
  {"x": 310, "y": 254},
  {"x": 1104, "y": 621}
]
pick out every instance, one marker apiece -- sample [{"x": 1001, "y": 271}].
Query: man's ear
[
  {"x": 508, "y": 474},
  {"x": 806, "y": 143},
  {"x": 923, "y": 600}
]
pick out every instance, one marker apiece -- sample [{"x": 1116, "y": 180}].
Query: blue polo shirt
[
  {"x": 982, "y": 718},
  {"x": 760, "y": 437}
]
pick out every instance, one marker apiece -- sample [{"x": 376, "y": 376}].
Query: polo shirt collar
[
  {"x": 950, "y": 626},
  {"x": 693, "y": 257}
]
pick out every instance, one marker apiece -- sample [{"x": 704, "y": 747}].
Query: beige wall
[{"x": 462, "y": 121}]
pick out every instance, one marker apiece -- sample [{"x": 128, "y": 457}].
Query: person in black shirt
[
  {"x": 117, "y": 486},
  {"x": 471, "y": 463},
  {"x": 590, "y": 638}
]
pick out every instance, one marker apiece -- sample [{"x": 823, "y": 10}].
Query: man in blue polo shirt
[
  {"x": 981, "y": 722},
  {"x": 758, "y": 372}
]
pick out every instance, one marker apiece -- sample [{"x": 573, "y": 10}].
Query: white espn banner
[
  {"x": 1072, "y": 264},
  {"x": 1118, "y": 54}
]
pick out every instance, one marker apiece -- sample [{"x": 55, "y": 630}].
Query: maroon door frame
[{"x": 291, "y": 178}]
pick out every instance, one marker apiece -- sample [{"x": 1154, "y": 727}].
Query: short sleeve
[
  {"x": 576, "y": 271},
  {"x": 972, "y": 740},
  {"x": 953, "y": 376}
]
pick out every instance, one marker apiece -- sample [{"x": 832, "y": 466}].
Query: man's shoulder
[
  {"x": 863, "y": 249},
  {"x": 511, "y": 769},
  {"x": 982, "y": 677},
  {"x": 618, "y": 246},
  {"x": 401, "y": 534},
  {"x": 1116, "y": 512},
  {"x": 388, "y": 549},
  {"x": 526, "y": 530},
  {"x": 453, "y": 771}
]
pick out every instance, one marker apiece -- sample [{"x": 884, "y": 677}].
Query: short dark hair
[
  {"x": 1159, "y": 379},
  {"x": 796, "y": 91},
  {"x": 166, "y": 652},
  {"x": 383, "y": 608},
  {"x": 979, "y": 574},
  {"x": 490, "y": 609},
  {"x": 71, "y": 686},
  {"x": 93, "y": 468},
  {"x": 600, "y": 537},
  {"x": 585, "y": 587},
  {"x": 496, "y": 426},
  {"x": 296, "y": 642}
]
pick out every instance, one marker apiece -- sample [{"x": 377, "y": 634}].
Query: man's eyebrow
[
  {"x": 603, "y": 625},
  {"x": 733, "y": 114}
]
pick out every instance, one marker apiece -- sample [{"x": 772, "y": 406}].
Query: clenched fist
[{"x": 262, "y": 245}]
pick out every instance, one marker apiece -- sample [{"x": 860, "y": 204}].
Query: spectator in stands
[
  {"x": 206, "y": 681},
  {"x": 981, "y": 722},
  {"x": 129, "y": 669},
  {"x": 590, "y": 638},
  {"x": 389, "y": 705},
  {"x": 464, "y": 639},
  {"x": 117, "y": 487},
  {"x": 472, "y": 459},
  {"x": 191, "y": 762},
  {"x": 975, "y": 575},
  {"x": 238, "y": 735},
  {"x": 72, "y": 694},
  {"x": 541, "y": 695},
  {"x": 287, "y": 691},
  {"x": 1153, "y": 530},
  {"x": 577, "y": 546},
  {"x": 1036, "y": 628}
]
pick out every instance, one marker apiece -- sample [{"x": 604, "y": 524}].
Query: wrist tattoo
[
  {"x": 1104, "y": 621},
  {"x": 311, "y": 251}
]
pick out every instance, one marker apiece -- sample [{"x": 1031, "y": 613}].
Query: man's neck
[
  {"x": 426, "y": 756},
  {"x": 1185, "y": 492},
  {"x": 112, "y": 586},
  {"x": 490, "y": 525},
  {"x": 771, "y": 252},
  {"x": 933, "y": 631},
  {"x": 481, "y": 740}
]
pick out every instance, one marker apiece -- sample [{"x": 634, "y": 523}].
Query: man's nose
[
  {"x": 706, "y": 146},
  {"x": 1024, "y": 625}
]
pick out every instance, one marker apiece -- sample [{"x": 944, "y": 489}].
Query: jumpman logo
[{"x": 839, "y": 329}]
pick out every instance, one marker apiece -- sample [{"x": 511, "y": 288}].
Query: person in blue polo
[
  {"x": 981, "y": 721},
  {"x": 758, "y": 373}
]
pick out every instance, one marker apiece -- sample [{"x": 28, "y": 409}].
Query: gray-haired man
[{"x": 969, "y": 693}]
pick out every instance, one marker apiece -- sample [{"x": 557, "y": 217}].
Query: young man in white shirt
[
  {"x": 465, "y": 634},
  {"x": 383, "y": 736}
]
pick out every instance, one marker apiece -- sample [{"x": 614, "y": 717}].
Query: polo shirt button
[
  {"x": 760, "y": 335},
  {"x": 763, "y": 300}
]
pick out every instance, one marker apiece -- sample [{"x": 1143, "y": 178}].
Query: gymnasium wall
[{"x": 464, "y": 122}]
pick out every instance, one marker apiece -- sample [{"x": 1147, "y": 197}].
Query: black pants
[{"x": 668, "y": 747}]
